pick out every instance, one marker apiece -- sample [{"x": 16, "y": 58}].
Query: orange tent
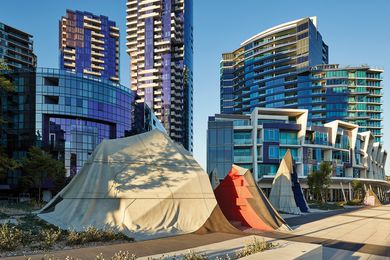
[{"x": 240, "y": 199}]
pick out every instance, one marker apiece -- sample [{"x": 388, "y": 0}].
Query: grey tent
[
  {"x": 282, "y": 195},
  {"x": 214, "y": 179},
  {"x": 145, "y": 185}
]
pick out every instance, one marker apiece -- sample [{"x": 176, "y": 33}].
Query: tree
[
  {"x": 319, "y": 181},
  {"x": 6, "y": 164},
  {"x": 358, "y": 189},
  {"x": 39, "y": 166},
  {"x": 5, "y": 86},
  {"x": 5, "y": 83}
]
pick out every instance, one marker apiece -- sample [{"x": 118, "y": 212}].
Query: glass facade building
[
  {"x": 287, "y": 67},
  {"x": 351, "y": 94},
  {"x": 89, "y": 44},
  {"x": 258, "y": 141},
  {"x": 160, "y": 45},
  {"x": 64, "y": 113},
  {"x": 16, "y": 48},
  {"x": 262, "y": 72}
]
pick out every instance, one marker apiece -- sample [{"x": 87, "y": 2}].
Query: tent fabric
[
  {"x": 298, "y": 193},
  {"x": 241, "y": 200},
  {"x": 371, "y": 199},
  {"x": 282, "y": 195},
  {"x": 214, "y": 179},
  {"x": 145, "y": 185},
  {"x": 217, "y": 222}
]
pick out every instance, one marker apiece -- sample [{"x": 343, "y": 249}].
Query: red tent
[{"x": 241, "y": 200}]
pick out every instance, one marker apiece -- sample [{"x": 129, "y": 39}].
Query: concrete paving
[
  {"x": 366, "y": 231},
  {"x": 368, "y": 226},
  {"x": 347, "y": 234}
]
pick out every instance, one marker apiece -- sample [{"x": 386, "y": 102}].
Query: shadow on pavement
[
  {"x": 311, "y": 217},
  {"x": 332, "y": 243}
]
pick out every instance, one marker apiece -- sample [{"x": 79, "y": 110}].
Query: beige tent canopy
[
  {"x": 145, "y": 185},
  {"x": 282, "y": 195},
  {"x": 370, "y": 199}
]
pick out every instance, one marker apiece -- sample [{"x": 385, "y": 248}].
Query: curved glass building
[
  {"x": 287, "y": 66},
  {"x": 65, "y": 113},
  {"x": 262, "y": 72}
]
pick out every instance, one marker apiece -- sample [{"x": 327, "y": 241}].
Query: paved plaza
[{"x": 343, "y": 234}]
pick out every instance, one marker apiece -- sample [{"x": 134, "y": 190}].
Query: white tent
[
  {"x": 282, "y": 195},
  {"x": 145, "y": 185}
]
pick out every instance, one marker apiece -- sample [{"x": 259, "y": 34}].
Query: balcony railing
[
  {"x": 241, "y": 123},
  {"x": 337, "y": 145},
  {"x": 289, "y": 141},
  {"x": 242, "y": 141},
  {"x": 242, "y": 158}
]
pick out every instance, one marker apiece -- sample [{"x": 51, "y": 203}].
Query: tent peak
[{"x": 238, "y": 170}]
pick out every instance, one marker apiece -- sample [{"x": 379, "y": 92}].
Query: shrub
[
  {"x": 326, "y": 206},
  {"x": 49, "y": 237},
  {"x": 74, "y": 238},
  {"x": 254, "y": 247},
  {"x": 92, "y": 234},
  {"x": 121, "y": 255},
  {"x": 191, "y": 255},
  {"x": 124, "y": 255},
  {"x": 31, "y": 223},
  {"x": 52, "y": 257},
  {"x": 355, "y": 202},
  {"x": 10, "y": 237}
]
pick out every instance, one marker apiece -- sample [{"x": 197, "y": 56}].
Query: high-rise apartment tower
[
  {"x": 89, "y": 45},
  {"x": 159, "y": 42}
]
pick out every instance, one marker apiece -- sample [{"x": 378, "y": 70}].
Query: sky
[{"x": 356, "y": 32}]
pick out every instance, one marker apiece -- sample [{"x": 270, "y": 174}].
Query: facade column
[
  {"x": 342, "y": 190},
  {"x": 350, "y": 191}
]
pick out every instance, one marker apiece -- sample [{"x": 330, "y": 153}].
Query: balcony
[
  {"x": 341, "y": 146},
  {"x": 284, "y": 141},
  {"x": 242, "y": 159},
  {"x": 297, "y": 159},
  {"x": 242, "y": 141}
]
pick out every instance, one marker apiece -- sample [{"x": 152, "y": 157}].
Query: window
[
  {"x": 52, "y": 138},
  {"x": 79, "y": 102},
  {"x": 303, "y": 35},
  {"x": 50, "y": 81},
  {"x": 266, "y": 169},
  {"x": 243, "y": 138},
  {"x": 321, "y": 138},
  {"x": 289, "y": 138},
  {"x": 271, "y": 135},
  {"x": 68, "y": 101},
  {"x": 294, "y": 153},
  {"x": 273, "y": 152},
  {"x": 51, "y": 100}
]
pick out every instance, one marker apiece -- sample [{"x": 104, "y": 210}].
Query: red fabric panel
[{"x": 232, "y": 196}]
